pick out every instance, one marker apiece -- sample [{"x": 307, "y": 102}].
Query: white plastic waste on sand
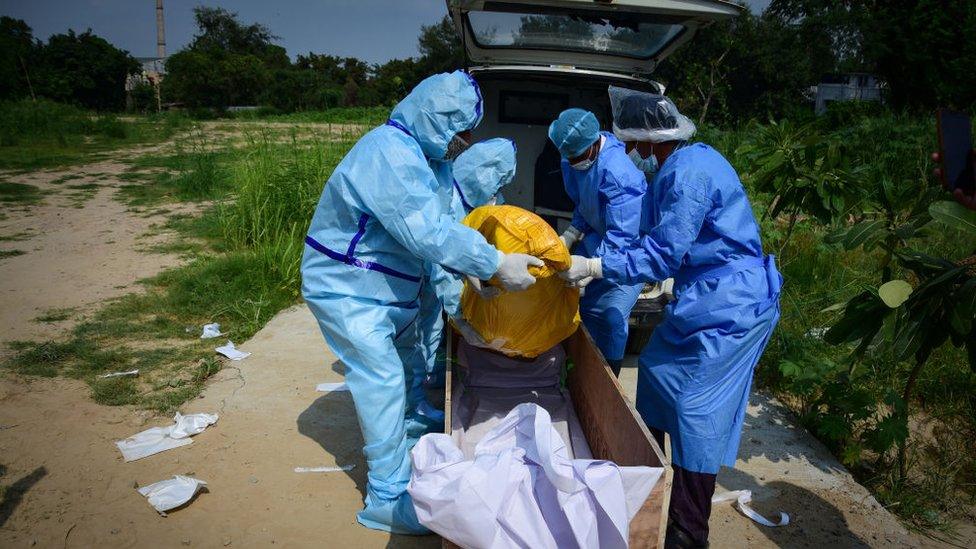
[
  {"x": 521, "y": 489},
  {"x": 170, "y": 494},
  {"x": 231, "y": 352},
  {"x": 159, "y": 439},
  {"x": 331, "y": 387},
  {"x": 211, "y": 331},
  {"x": 742, "y": 498},
  {"x": 120, "y": 374},
  {"x": 332, "y": 469}
]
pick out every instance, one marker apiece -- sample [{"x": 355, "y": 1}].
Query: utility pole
[
  {"x": 160, "y": 49},
  {"x": 160, "y": 31}
]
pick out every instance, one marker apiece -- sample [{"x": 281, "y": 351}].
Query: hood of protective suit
[
  {"x": 482, "y": 170},
  {"x": 438, "y": 108}
]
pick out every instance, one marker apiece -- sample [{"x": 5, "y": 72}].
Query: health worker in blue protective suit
[
  {"x": 378, "y": 222},
  {"x": 474, "y": 180},
  {"x": 608, "y": 193},
  {"x": 695, "y": 373}
]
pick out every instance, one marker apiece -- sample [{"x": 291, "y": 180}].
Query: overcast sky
[{"x": 373, "y": 30}]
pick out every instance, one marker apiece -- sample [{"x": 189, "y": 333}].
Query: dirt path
[
  {"x": 76, "y": 486},
  {"x": 272, "y": 421},
  {"x": 82, "y": 247}
]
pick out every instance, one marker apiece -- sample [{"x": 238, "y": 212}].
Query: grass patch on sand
[
  {"x": 44, "y": 134},
  {"x": 243, "y": 254},
  {"x": 20, "y": 194},
  {"x": 11, "y": 253},
  {"x": 56, "y": 315}
]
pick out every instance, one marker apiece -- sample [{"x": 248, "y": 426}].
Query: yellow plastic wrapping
[{"x": 531, "y": 322}]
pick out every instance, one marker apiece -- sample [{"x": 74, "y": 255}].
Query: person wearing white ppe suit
[{"x": 378, "y": 222}]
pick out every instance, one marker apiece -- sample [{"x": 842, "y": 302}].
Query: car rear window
[{"x": 597, "y": 33}]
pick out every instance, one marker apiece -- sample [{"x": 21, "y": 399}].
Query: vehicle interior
[
  {"x": 535, "y": 58},
  {"x": 520, "y": 104}
]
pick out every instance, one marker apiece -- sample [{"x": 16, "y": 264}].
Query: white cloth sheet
[
  {"x": 521, "y": 489},
  {"x": 159, "y": 439},
  {"x": 331, "y": 387},
  {"x": 172, "y": 493},
  {"x": 211, "y": 331},
  {"x": 232, "y": 352}
]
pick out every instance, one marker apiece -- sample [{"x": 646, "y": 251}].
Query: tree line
[{"x": 753, "y": 66}]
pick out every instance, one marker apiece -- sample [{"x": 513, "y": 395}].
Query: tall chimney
[{"x": 160, "y": 32}]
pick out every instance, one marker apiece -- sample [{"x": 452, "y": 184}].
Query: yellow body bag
[{"x": 531, "y": 322}]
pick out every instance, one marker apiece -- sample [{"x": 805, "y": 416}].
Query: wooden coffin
[{"x": 612, "y": 426}]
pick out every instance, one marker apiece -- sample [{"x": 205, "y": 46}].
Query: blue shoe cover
[{"x": 396, "y": 516}]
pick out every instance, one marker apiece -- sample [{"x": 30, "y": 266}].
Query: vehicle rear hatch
[{"x": 622, "y": 36}]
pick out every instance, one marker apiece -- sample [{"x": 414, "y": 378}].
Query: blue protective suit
[
  {"x": 377, "y": 224},
  {"x": 475, "y": 177},
  {"x": 609, "y": 208},
  {"x": 695, "y": 374}
]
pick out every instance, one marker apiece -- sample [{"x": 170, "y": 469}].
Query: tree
[
  {"x": 924, "y": 49},
  {"x": 440, "y": 47},
  {"x": 18, "y": 50},
  {"x": 83, "y": 69},
  {"x": 750, "y": 67},
  {"x": 227, "y": 63}
]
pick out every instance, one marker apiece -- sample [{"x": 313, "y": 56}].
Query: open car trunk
[
  {"x": 519, "y": 104},
  {"x": 535, "y": 58}
]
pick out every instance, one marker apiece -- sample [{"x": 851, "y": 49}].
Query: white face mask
[{"x": 647, "y": 165}]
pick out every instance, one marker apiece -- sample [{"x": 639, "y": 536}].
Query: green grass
[
  {"x": 20, "y": 193},
  {"x": 56, "y": 315},
  {"x": 45, "y": 134},
  {"x": 194, "y": 172},
  {"x": 11, "y": 253},
  {"x": 16, "y": 237},
  {"x": 341, "y": 115},
  {"x": 66, "y": 178},
  {"x": 243, "y": 253}
]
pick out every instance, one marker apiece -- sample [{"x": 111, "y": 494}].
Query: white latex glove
[
  {"x": 571, "y": 236},
  {"x": 582, "y": 271},
  {"x": 486, "y": 292},
  {"x": 513, "y": 271}
]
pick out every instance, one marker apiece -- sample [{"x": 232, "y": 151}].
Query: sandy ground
[
  {"x": 77, "y": 257},
  {"x": 75, "y": 490}
]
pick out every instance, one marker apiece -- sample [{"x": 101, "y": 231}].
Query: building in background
[{"x": 847, "y": 87}]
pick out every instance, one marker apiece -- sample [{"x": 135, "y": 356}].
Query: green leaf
[
  {"x": 834, "y": 307},
  {"x": 908, "y": 337},
  {"x": 836, "y": 236},
  {"x": 863, "y": 317},
  {"x": 971, "y": 352},
  {"x": 954, "y": 215},
  {"x": 891, "y": 430},
  {"x": 864, "y": 232},
  {"x": 834, "y": 428},
  {"x": 964, "y": 308},
  {"x": 790, "y": 369},
  {"x": 894, "y": 293},
  {"x": 851, "y": 454}
]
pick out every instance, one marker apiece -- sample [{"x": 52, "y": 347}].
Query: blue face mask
[{"x": 647, "y": 165}]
